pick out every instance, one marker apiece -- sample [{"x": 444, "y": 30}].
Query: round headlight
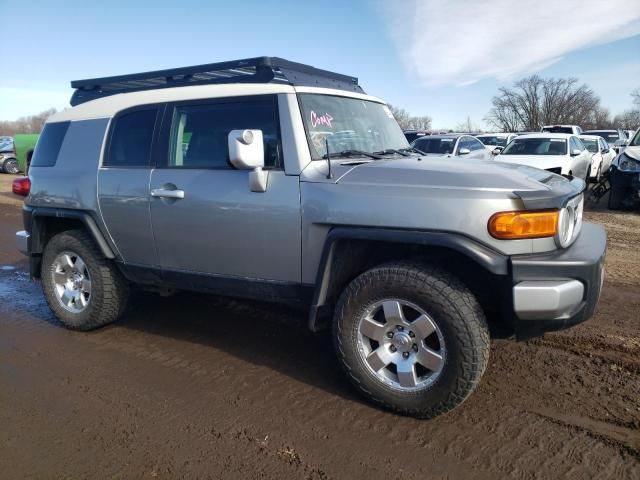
[{"x": 566, "y": 224}]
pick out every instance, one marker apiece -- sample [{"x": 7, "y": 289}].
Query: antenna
[{"x": 326, "y": 143}]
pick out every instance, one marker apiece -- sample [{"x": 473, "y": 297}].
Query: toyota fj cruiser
[{"x": 272, "y": 180}]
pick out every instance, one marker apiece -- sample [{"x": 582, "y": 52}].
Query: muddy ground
[{"x": 194, "y": 386}]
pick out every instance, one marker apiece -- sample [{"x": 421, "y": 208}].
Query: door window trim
[{"x": 161, "y": 159}]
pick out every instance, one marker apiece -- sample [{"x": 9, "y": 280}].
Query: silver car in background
[{"x": 452, "y": 145}]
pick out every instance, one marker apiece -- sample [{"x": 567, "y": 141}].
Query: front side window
[
  {"x": 536, "y": 146},
  {"x": 200, "y": 132},
  {"x": 348, "y": 124},
  {"x": 131, "y": 139},
  {"x": 475, "y": 144}
]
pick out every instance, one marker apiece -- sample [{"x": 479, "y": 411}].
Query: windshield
[
  {"x": 435, "y": 145},
  {"x": 558, "y": 129},
  {"x": 6, "y": 144},
  {"x": 348, "y": 124},
  {"x": 493, "y": 140},
  {"x": 635, "y": 142},
  {"x": 536, "y": 146},
  {"x": 610, "y": 137},
  {"x": 591, "y": 144}
]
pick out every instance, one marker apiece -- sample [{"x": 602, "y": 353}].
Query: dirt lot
[{"x": 193, "y": 386}]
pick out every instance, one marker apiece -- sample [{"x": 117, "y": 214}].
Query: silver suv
[{"x": 271, "y": 180}]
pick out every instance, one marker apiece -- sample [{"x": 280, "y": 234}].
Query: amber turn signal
[{"x": 518, "y": 225}]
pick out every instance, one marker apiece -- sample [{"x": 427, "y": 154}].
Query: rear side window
[
  {"x": 49, "y": 143},
  {"x": 131, "y": 138}
]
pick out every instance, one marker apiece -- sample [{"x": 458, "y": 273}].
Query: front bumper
[
  {"x": 629, "y": 182},
  {"x": 556, "y": 290}
]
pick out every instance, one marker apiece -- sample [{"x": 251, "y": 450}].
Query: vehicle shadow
[{"x": 269, "y": 335}]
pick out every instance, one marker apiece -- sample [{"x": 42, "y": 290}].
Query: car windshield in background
[
  {"x": 493, "y": 140},
  {"x": 635, "y": 142},
  {"x": 610, "y": 137},
  {"x": 348, "y": 124},
  {"x": 435, "y": 145},
  {"x": 6, "y": 145},
  {"x": 558, "y": 129},
  {"x": 591, "y": 144},
  {"x": 536, "y": 146}
]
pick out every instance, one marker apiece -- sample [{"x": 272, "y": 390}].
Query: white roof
[{"x": 107, "y": 107}]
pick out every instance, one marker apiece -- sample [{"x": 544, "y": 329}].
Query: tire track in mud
[{"x": 194, "y": 372}]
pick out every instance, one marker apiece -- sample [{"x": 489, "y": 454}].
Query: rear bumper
[
  {"x": 22, "y": 241},
  {"x": 560, "y": 289}
]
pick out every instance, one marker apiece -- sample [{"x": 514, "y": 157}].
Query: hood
[
  {"x": 538, "y": 161},
  {"x": 448, "y": 172},
  {"x": 633, "y": 152}
]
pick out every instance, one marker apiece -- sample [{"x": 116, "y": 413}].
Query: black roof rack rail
[{"x": 249, "y": 70}]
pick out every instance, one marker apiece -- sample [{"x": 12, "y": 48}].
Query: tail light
[{"x": 21, "y": 186}]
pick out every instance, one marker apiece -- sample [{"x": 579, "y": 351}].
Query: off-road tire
[
  {"x": 453, "y": 308},
  {"x": 109, "y": 290},
  {"x": 11, "y": 166}
]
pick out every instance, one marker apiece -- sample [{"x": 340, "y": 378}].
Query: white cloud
[{"x": 462, "y": 41}]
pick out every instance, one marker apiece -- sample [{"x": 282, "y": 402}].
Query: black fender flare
[
  {"x": 489, "y": 259},
  {"x": 31, "y": 221}
]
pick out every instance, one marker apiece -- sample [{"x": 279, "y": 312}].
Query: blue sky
[{"x": 443, "y": 59}]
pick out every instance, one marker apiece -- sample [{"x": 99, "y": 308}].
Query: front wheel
[
  {"x": 412, "y": 338},
  {"x": 84, "y": 289}
]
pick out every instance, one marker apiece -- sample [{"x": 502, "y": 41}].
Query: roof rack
[{"x": 249, "y": 70}]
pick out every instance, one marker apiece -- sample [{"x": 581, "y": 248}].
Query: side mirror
[
  {"x": 575, "y": 152},
  {"x": 246, "y": 152},
  {"x": 497, "y": 151},
  {"x": 464, "y": 151},
  {"x": 606, "y": 150}
]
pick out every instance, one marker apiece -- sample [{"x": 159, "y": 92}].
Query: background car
[
  {"x": 452, "y": 145},
  {"x": 557, "y": 152},
  {"x": 572, "y": 129},
  {"x": 601, "y": 155},
  {"x": 411, "y": 135},
  {"x": 8, "y": 160},
  {"x": 625, "y": 176},
  {"x": 616, "y": 138},
  {"x": 492, "y": 141}
]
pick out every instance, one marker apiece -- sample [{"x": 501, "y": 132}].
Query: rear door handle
[{"x": 164, "y": 193}]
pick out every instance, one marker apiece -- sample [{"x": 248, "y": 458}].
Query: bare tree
[
  {"x": 406, "y": 121},
  {"x": 535, "y": 101},
  {"x": 29, "y": 124},
  {"x": 467, "y": 126},
  {"x": 630, "y": 119}
]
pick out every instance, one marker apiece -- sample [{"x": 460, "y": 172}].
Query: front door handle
[{"x": 164, "y": 193}]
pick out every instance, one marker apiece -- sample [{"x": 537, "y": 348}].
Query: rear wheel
[
  {"x": 11, "y": 166},
  {"x": 84, "y": 289},
  {"x": 412, "y": 338}
]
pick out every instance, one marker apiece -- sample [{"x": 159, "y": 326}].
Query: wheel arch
[
  {"x": 44, "y": 223},
  {"x": 348, "y": 252}
]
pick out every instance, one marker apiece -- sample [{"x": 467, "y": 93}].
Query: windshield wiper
[
  {"x": 390, "y": 151},
  {"x": 414, "y": 150},
  {"x": 353, "y": 153}
]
